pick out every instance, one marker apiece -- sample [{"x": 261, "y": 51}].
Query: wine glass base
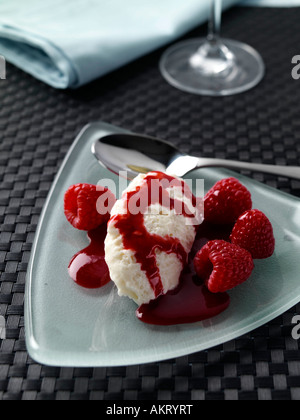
[{"x": 244, "y": 73}]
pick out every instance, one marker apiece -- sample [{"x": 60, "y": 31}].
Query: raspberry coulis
[
  {"x": 191, "y": 301},
  {"x": 88, "y": 268}
]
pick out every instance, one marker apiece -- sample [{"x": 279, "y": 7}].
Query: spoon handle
[{"x": 285, "y": 171}]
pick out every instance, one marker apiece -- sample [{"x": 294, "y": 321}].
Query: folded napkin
[{"x": 68, "y": 43}]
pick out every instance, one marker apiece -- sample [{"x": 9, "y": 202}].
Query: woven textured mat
[{"x": 38, "y": 125}]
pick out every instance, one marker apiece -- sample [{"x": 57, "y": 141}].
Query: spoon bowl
[{"x": 134, "y": 154}]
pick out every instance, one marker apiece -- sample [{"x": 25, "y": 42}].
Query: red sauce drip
[
  {"x": 135, "y": 235},
  {"x": 88, "y": 268},
  {"x": 191, "y": 301}
]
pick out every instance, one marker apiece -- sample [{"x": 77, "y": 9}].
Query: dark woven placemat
[{"x": 37, "y": 126}]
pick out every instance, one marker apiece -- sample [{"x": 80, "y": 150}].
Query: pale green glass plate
[{"x": 70, "y": 326}]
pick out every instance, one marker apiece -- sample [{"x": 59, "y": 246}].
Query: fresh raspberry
[
  {"x": 223, "y": 265},
  {"x": 88, "y": 206},
  {"x": 253, "y": 231},
  {"x": 226, "y": 201}
]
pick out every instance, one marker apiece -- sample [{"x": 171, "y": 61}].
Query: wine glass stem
[
  {"x": 215, "y": 21},
  {"x": 213, "y": 58}
]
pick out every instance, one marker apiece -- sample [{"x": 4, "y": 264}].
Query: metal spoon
[{"x": 136, "y": 154}]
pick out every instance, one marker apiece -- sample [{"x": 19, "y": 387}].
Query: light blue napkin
[{"x": 68, "y": 43}]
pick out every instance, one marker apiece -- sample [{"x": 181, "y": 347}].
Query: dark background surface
[{"x": 38, "y": 125}]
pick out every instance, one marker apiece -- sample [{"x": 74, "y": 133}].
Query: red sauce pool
[{"x": 191, "y": 301}]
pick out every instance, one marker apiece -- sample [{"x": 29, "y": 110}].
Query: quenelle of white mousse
[{"x": 147, "y": 252}]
